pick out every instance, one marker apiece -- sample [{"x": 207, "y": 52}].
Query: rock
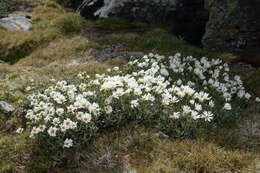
[
  {"x": 148, "y": 11},
  {"x": 114, "y": 52},
  {"x": 233, "y": 26},
  {"x": 5, "y": 107},
  {"x": 2, "y": 62},
  {"x": 16, "y": 22}
]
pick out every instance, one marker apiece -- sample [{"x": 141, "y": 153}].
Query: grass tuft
[{"x": 69, "y": 24}]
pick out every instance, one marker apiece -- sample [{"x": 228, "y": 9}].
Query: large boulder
[
  {"x": 233, "y": 26},
  {"x": 187, "y": 18},
  {"x": 16, "y": 22},
  {"x": 144, "y": 10}
]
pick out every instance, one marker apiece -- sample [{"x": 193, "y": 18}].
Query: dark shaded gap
[{"x": 190, "y": 23}]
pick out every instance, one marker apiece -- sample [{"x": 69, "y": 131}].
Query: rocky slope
[{"x": 232, "y": 25}]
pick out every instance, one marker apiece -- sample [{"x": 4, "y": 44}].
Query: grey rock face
[
  {"x": 145, "y": 10},
  {"x": 5, "y": 107},
  {"x": 233, "y": 26},
  {"x": 16, "y": 22}
]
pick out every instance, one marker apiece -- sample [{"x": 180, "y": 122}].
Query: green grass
[
  {"x": 152, "y": 40},
  {"x": 69, "y": 23}
]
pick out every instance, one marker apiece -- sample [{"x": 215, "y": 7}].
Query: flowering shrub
[{"x": 174, "y": 94}]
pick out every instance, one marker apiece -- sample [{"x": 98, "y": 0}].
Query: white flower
[
  {"x": 68, "y": 143},
  {"x": 28, "y": 88},
  {"x": 86, "y": 118},
  {"x": 257, "y": 99},
  {"x": 198, "y": 107},
  {"x": 70, "y": 108},
  {"x": 79, "y": 115},
  {"x": 211, "y": 103},
  {"x": 207, "y": 115},
  {"x": 67, "y": 123},
  {"x": 227, "y": 96},
  {"x": 227, "y": 106},
  {"x": 108, "y": 109},
  {"x": 60, "y": 111},
  {"x": 41, "y": 128},
  {"x": 19, "y": 130},
  {"x": 194, "y": 115},
  {"x": 164, "y": 72},
  {"x": 134, "y": 103},
  {"x": 186, "y": 109},
  {"x": 192, "y": 102},
  {"x": 56, "y": 121},
  {"x": 175, "y": 115},
  {"x": 52, "y": 131},
  {"x": 115, "y": 68},
  {"x": 247, "y": 96}
]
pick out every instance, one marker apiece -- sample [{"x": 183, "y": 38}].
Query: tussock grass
[
  {"x": 60, "y": 48},
  {"x": 143, "y": 150},
  {"x": 69, "y": 23},
  {"x": 14, "y": 152}
]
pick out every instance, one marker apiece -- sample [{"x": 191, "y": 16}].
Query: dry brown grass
[{"x": 146, "y": 151}]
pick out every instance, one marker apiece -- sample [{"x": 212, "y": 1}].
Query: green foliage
[
  {"x": 116, "y": 24},
  {"x": 5, "y": 7},
  {"x": 69, "y": 23}
]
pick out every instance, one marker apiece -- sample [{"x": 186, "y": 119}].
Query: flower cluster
[{"x": 151, "y": 89}]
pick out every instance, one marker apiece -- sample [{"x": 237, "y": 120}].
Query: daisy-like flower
[
  {"x": 56, "y": 121},
  {"x": 198, "y": 107},
  {"x": 175, "y": 115},
  {"x": 34, "y": 131},
  {"x": 67, "y": 123},
  {"x": 227, "y": 106},
  {"x": 195, "y": 115},
  {"x": 68, "y": 143},
  {"x": 247, "y": 96},
  {"x": 207, "y": 115},
  {"x": 86, "y": 118},
  {"x": 70, "y": 108},
  {"x": 134, "y": 103},
  {"x": 73, "y": 125},
  {"x": 29, "y": 115},
  {"x": 52, "y": 131},
  {"x": 42, "y": 105},
  {"x": 19, "y": 130},
  {"x": 41, "y": 128},
  {"x": 79, "y": 115},
  {"x": 186, "y": 109},
  {"x": 227, "y": 96},
  {"x": 108, "y": 109},
  {"x": 51, "y": 111},
  {"x": 211, "y": 103},
  {"x": 164, "y": 72},
  {"x": 257, "y": 99},
  {"x": 60, "y": 111}
]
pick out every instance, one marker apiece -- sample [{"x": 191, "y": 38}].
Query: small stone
[
  {"x": 16, "y": 22},
  {"x": 5, "y": 107}
]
